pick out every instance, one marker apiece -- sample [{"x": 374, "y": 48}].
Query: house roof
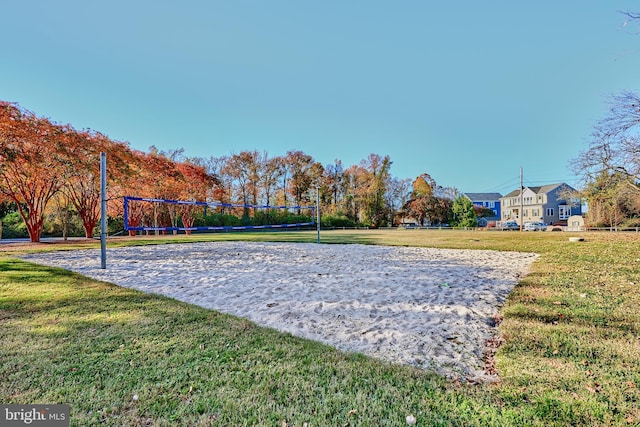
[
  {"x": 483, "y": 196},
  {"x": 539, "y": 190}
]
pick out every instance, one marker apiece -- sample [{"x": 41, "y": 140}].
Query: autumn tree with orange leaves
[
  {"x": 304, "y": 175},
  {"x": 33, "y": 159},
  {"x": 244, "y": 169},
  {"x": 194, "y": 185},
  {"x": 82, "y": 186}
]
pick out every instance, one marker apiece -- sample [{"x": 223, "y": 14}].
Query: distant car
[
  {"x": 510, "y": 226},
  {"x": 535, "y": 226}
]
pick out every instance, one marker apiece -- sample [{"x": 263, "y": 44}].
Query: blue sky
[{"x": 466, "y": 91}]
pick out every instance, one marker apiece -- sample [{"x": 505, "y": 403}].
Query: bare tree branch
[
  {"x": 624, "y": 114},
  {"x": 630, "y": 17}
]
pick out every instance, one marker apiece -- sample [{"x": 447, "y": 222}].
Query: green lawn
[{"x": 570, "y": 355}]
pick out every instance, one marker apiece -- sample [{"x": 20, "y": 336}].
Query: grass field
[{"x": 570, "y": 353}]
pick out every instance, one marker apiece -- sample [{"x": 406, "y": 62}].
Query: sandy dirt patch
[{"x": 431, "y": 308}]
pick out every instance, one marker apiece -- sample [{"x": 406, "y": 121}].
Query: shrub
[
  {"x": 114, "y": 225},
  {"x": 631, "y": 223},
  {"x": 218, "y": 220},
  {"x": 336, "y": 220},
  {"x": 13, "y": 226}
]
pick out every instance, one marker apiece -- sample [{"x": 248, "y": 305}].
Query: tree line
[
  {"x": 50, "y": 171},
  {"x": 610, "y": 165}
]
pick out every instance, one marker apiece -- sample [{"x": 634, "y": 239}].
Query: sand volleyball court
[{"x": 431, "y": 308}]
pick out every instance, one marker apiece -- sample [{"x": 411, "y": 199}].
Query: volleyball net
[{"x": 150, "y": 214}]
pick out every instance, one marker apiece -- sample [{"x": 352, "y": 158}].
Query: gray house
[{"x": 552, "y": 204}]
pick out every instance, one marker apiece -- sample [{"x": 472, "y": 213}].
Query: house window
[
  {"x": 525, "y": 212},
  {"x": 528, "y": 200},
  {"x": 492, "y": 204},
  {"x": 563, "y": 212},
  {"x": 535, "y": 212},
  {"x": 549, "y": 211},
  {"x": 539, "y": 199}
]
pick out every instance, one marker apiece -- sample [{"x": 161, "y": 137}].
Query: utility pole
[{"x": 521, "y": 200}]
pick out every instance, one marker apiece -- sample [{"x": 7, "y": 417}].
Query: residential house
[
  {"x": 549, "y": 203},
  {"x": 487, "y": 200}
]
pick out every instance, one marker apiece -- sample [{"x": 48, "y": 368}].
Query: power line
[{"x": 509, "y": 183}]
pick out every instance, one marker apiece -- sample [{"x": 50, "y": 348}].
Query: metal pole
[
  {"x": 103, "y": 211},
  {"x": 318, "y": 212},
  {"x": 521, "y": 201}
]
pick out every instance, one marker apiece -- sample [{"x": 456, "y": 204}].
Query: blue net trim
[
  {"x": 213, "y": 204},
  {"x": 222, "y": 228}
]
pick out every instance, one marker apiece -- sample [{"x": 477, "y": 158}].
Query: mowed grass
[{"x": 570, "y": 353}]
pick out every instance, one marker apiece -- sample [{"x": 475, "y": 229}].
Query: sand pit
[{"x": 431, "y": 308}]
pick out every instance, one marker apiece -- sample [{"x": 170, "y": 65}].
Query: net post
[
  {"x": 318, "y": 212},
  {"x": 103, "y": 210},
  {"x": 126, "y": 213}
]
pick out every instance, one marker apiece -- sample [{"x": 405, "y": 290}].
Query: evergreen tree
[{"x": 463, "y": 213}]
